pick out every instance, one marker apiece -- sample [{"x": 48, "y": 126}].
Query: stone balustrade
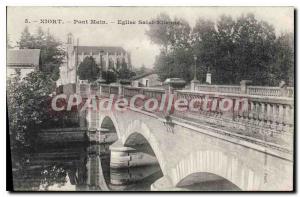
[
  {"x": 263, "y": 91},
  {"x": 268, "y": 109},
  {"x": 218, "y": 88},
  {"x": 148, "y": 92},
  {"x": 153, "y": 93},
  {"x": 251, "y": 90},
  {"x": 252, "y": 115},
  {"x": 83, "y": 89},
  {"x": 131, "y": 91},
  {"x": 258, "y": 113}
]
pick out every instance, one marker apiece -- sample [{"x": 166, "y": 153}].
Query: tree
[
  {"x": 109, "y": 76},
  {"x": 8, "y": 42},
  {"x": 28, "y": 106},
  {"x": 204, "y": 42},
  {"x": 27, "y": 40},
  {"x": 283, "y": 67},
  {"x": 176, "y": 64},
  {"x": 142, "y": 70},
  {"x": 254, "y": 49},
  {"x": 176, "y": 56},
  {"x": 122, "y": 71},
  {"x": 232, "y": 49},
  {"x": 51, "y": 52},
  {"x": 161, "y": 34},
  {"x": 88, "y": 69},
  {"x": 180, "y": 34}
]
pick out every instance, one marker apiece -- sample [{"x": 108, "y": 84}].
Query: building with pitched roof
[
  {"x": 149, "y": 79},
  {"x": 106, "y": 57},
  {"x": 23, "y": 61}
]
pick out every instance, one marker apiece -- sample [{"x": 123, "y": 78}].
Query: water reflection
[
  {"x": 81, "y": 167},
  {"x": 86, "y": 167}
]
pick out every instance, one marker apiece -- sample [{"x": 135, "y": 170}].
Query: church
[{"x": 106, "y": 57}]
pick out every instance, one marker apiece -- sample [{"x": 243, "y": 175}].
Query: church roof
[
  {"x": 98, "y": 49},
  {"x": 23, "y": 57}
]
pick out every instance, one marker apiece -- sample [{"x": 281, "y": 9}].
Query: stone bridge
[{"x": 252, "y": 150}]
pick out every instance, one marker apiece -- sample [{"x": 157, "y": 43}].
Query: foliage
[
  {"x": 28, "y": 104},
  {"x": 175, "y": 64},
  {"x": 161, "y": 34},
  {"x": 232, "y": 49},
  {"x": 120, "y": 72},
  {"x": 51, "y": 53},
  {"x": 283, "y": 67},
  {"x": 140, "y": 71},
  {"x": 109, "y": 76},
  {"x": 88, "y": 69},
  {"x": 8, "y": 42},
  {"x": 123, "y": 72}
]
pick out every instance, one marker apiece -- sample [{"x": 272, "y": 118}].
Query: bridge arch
[
  {"x": 110, "y": 122},
  {"x": 138, "y": 131},
  {"x": 219, "y": 166}
]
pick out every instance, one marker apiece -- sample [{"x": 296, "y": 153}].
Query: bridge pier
[
  {"x": 125, "y": 157},
  {"x": 132, "y": 175},
  {"x": 102, "y": 135}
]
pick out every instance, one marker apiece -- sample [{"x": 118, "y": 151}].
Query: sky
[{"x": 130, "y": 37}]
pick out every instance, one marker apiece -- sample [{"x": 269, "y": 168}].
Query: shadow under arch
[
  {"x": 107, "y": 123},
  {"x": 204, "y": 181},
  {"x": 140, "y": 144},
  {"x": 220, "y": 163},
  {"x": 149, "y": 171}
]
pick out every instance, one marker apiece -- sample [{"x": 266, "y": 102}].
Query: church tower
[{"x": 71, "y": 73}]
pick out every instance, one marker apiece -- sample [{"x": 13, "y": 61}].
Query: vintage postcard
[{"x": 151, "y": 98}]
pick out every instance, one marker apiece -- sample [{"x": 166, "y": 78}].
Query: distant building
[
  {"x": 107, "y": 56},
  {"x": 146, "y": 80},
  {"x": 22, "y": 60}
]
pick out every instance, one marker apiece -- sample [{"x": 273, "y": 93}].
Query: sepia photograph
[{"x": 174, "y": 99}]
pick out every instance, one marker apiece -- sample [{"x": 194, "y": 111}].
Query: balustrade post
[
  {"x": 120, "y": 89},
  {"x": 283, "y": 89},
  {"x": 89, "y": 89},
  {"x": 244, "y": 84},
  {"x": 194, "y": 84},
  {"x": 100, "y": 90}
]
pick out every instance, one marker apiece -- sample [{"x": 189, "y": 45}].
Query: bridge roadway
[{"x": 185, "y": 148}]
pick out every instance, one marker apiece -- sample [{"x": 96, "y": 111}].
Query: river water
[
  {"x": 79, "y": 167},
  {"x": 85, "y": 166}
]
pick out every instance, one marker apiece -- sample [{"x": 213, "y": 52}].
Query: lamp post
[
  {"x": 100, "y": 79},
  {"x": 194, "y": 82},
  {"x": 117, "y": 71},
  {"x": 195, "y": 67}
]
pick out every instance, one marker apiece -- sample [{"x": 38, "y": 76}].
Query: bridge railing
[
  {"x": 266, "y": 109},
  {"x": 218, "y": 88},
  {"x": 264, "y": 117},
  {"x": 251, "y": 90},
  {"x": 153, "y": 93},
  {"x": 263, "y": 91},
  {"x": 257, "y": 114},
  {"x": 83, "y": 89},
  {"x": 129, "y": 92},
  {"x": 148, "y": 92}
]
